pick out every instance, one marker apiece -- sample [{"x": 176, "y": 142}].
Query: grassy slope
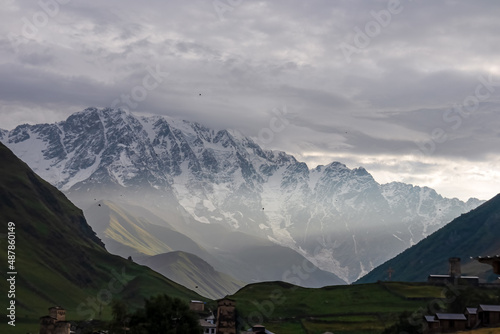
[
  {"x": 191, "y": 271},
  {"x": 366, "y": 308},
  {"x": 59, "y": 259},
  {"x": 126, "y": 233},
  {"x": 111, "y": 223},
  {"x": 138, "y": 233},
  {"x": 472, "y": 234}
]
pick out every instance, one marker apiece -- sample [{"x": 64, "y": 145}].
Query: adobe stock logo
[
  {"x": 455, "y": 116},
  {"x": 277, "y": 124},
  {"x": 139, "y": 93},
  {"x": 93, "y": 305},
  {"x": 363, "y": 38},
  {"x": 31, "y": 27},
  {"x": 223, "y": 6}
]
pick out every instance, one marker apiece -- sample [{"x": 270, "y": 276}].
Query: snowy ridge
[{"x": 340, "y": 219}]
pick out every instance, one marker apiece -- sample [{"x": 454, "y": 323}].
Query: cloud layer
[{"x": 408, "y": 89}]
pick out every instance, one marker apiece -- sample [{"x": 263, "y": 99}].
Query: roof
[
  {"x": 471, "y": 310},
  {"x": 496, "y": 257},
  {"x": 489, "y": 308},
  {"x": 448, "y": 276},
  {"x": 451, "y": 316},
  {"x": 225, "y": 298},
  {"x": 206, "y": 324},
  {"x": 430, "y": 318},
  {"x": 226, "y": 302}
]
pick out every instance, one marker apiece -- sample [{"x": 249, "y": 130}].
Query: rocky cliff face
[{"x": 340, "y": 219}]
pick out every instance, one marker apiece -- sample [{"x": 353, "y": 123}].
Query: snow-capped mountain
[{"x": 340, "y": 219}]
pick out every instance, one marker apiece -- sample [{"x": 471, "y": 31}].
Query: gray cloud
[{"x": 261, "y": 55}]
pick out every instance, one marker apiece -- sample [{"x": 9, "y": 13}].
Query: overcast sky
[{"x": 410, "y": 90}]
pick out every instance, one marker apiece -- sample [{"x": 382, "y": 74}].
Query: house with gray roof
[
  {"x": 451, "y": 322},
  {"x": 488, "y": 315},
  {"x": 471, "y": 315}
]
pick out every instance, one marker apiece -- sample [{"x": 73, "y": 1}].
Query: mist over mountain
[
  {"x": 151, "y": 241},
  {"x": 340, "y": 219},
  {"x": 194, "y": 273},
  {"x": 470, "y": 235}
]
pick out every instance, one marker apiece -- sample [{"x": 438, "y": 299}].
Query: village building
[
  {"x": 471, "y": 315},
  {"x": 226, "y": 316},
  {"x": 493, "y": 261},
  {"x": 55, "y": 322},
  {"x": 454, "y": 275},
  {"x": 58, "y": 313},
  {"x": 197, "y": 306},
  {"x": 488, "y": 315},
  {"x": 451, "y": 322},
  {"x": 206, "y": 318},
  {"x": 432, "y": 324},
  {"x": 208, "y": 325}
]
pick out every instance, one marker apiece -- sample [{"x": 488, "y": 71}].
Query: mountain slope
[
  {"x": 127, "y": 234},
  {"x": 194, "y": 273},
  {"x": 59, "y": 259},
  {"x": 253, "y": 259},
  {"x": 246, "y": 257},
  {"x": 335, "y": 216},
  {"x": 470, "y": 235}
]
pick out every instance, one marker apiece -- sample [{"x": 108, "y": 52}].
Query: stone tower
[
  {"x": 57, "y": 313},
  {"x": 55, "y": 322},
  {"x": 226, "y": 316},
  {"x": 455, "y": 270}
]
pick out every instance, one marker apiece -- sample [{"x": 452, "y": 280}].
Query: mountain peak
[
  {"x": 209, "y": 176},
  {"x": 336, "y": 165}
]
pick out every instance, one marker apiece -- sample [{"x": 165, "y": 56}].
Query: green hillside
[
  {"x": 192, "y": 272},
  {"x": 367, "y": 308},
  {"x": 470, "y": 235},
  {"x": 59, "y": 260}
]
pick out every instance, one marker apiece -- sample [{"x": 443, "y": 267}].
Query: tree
[
  {"x": 162, "y": 314},
  {"x": 470, "y": 297},
  {"x": 408, "y": 323},
  {"x": 119, "y": 311}
]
